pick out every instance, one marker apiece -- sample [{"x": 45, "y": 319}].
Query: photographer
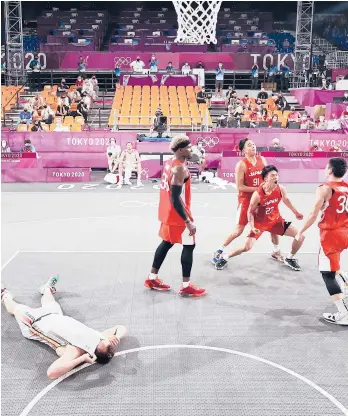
[
  {"x": 202, "y": 98},
  {"x": 159, "y": 122}
]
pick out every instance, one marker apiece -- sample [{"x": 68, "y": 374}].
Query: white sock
[
  {"x": 341, "y": 306},
  {"x": 222, "y": 247},
  {"x": 153, "y": 276},
  {"x": 275, "y": 248},
  {"x": 185, "y": 284},
  {"x": 290, "y": 256},
  {"x": 225, "y": 256}
]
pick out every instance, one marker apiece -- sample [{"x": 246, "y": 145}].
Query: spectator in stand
[
  {"x": 47, "y": 114},
  {"x": 284, "y": 78},
  {"x": 321, "y": 123},
  {"x": 25, "y": 116},
  {"x": 117, "y": 72},
  {"x": 219, "y": 79},
  {"x": 169, "y": 68},
  {"x": 61, "y": 110},
  {"x": 230, "y": 94},
  {"x": 272, "y": 120},
  {"x": 345, "y": 97},
  {"x": 246, "y": 102},
  {"x": 272, "y": 73},
  {"x": 262, "y": 95},
  {"x": 186, "y": 69},
  {"x": 286, "y": 44},
  {"x": 137, "y": 65},
  {"x": 264, "y": 115},
  {"x": 37, "y": 126},
  {"x": 336, "y": 148},
  {"x": 200, "y": 65},
  {"x": 293, "y": 116},
  {"x": 254, "y": 77},
  {"x": 129, "y": 162},
  {"x": 304, "y": 122},
  {"x": 113, "y": 152},
  {"x": 254, "y": 118},
  {"x": 79, "y": 84},
  {"x": 62, "y": 87},
  {"x": 5, "y": 148},
  {"x": 82, "y": 65},
  {"x": 153, "y": 63},
  {"x": 201, "y": 97},
  {"x": 28, "y": 147},
  {"x": 59, "y": 126},
  {"x": 82, "y": 110},
  {"x": 66, "y": 101},
  {"x": 276, "y": 144},
  {"x": 280, "y": 102},
  {"x": 37, "y": 101},
  {"x": 94, "y": 85},
  {"x": 35, "y": 66}
]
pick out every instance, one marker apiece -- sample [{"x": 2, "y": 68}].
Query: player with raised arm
[
  {"x": 332, "y": 201},
  {"x": 263, "y": 215},
  {"x": 174, "y": 212},
  {"x": 248, "y": 179}
]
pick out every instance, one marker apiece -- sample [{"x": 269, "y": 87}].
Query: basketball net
[{"x": 197, "y": 21}]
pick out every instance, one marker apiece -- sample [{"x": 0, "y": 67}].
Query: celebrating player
[
  {"x": 332, "y": 200},
  {"x": 248, "y": 179},
  {"x": 264, "y": 215},
  {"x": 174, "y": 212}
]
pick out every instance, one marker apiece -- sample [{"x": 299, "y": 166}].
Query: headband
[{"x": 181, "y": 145}]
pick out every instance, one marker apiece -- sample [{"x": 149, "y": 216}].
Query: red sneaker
[
  {"x": 191, "y": 290},
  {"x": 156, "y": 284}
]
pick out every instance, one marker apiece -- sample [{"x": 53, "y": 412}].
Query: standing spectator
[
  {"x": 35, "y": 66},
  {"x": 272, "y": 73},
  {"x": 82, "y": 110},
  {"x": 137, "y": 65},
  {"x": 117, "y": 72},
  {"x": 186, "y": 69},
  {"x": 170, "y": 68},
  {"x": 153, "y": 63},
  {"x": 254, "y": 77},
  {"x": 262, "y": 95},
  {"x": 62, "y": 87},
  {"x": 25, "y": 117},
  {"x": 284, "y": 78},
  {"x": 94, "y": 85},
  {"x": 219, "y": 79},
  {"x": 82, "y": 65},
  {"x": 28, "y": 147},
  {"x": 200, "y": 65},
  {"x": 5, "y": 148}
]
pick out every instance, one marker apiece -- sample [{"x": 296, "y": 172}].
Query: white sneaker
[
  {"x": 51, "y": 283},
  {"x": 119, "y": 185},
  {"x": 139, "y": 183},
  {"x": 5, "y": 294},
  {"x": 128, "y": 182},
  {"x": 277, "y": 255},
  {"x": 337, "y": 318}
]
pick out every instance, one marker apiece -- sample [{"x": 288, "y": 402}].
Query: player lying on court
[
  {"x": 248, "y": 179},
  {"x": 74, "y": 342},
  {"x": 264, "y": 215},
  {"x": 332, "y": 200},
  {"x": 174, "y": 212}
]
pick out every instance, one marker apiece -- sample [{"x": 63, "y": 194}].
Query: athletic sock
[
  {"x": 225, "y": 256},
  {"x": 341, "y": 306},
  {"x": 290, "y": 256},
  {"x": 275, "y": 248},
  {"x": 185, "y": 284},
  {"x": 222, "y": 247},
  {"x": 153, "y": 276}
]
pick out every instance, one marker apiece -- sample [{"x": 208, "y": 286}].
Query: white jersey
[{"x": 64, "y": 330}]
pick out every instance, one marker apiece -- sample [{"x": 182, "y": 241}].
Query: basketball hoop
[{"x": 197, "y": 21}]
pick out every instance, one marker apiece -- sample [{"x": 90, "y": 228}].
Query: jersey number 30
[
  {"x": 164, "y": 182},
  {"x": 343, "y": 201}
]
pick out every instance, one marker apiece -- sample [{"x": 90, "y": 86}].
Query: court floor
[{"x": 255, "y": 345}]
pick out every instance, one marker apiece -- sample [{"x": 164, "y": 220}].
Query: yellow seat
[
  {"x": 68, "y": 121},
  {"x": 79, "y": 120},
  {"x": 75, "y": 127},
  {"x": 22, "y": 127}
]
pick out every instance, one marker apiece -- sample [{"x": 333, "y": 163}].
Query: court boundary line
[
  {"x": 14, "y": 255},
  {"x": 134, "y": 251},
  {"x": 310, "y": 383}
]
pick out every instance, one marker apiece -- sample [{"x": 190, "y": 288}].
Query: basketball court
[{"x": 254, "y": 345}]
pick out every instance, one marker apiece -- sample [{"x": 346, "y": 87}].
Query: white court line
[
  {"x": 134, "y": 251},
  {"x": 70, "y": 219},
  {"x": 9, "y": 260},
  {"x": 310, "y": 383}
]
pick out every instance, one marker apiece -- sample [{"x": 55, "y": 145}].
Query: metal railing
[{"x": 16, "y": 94}]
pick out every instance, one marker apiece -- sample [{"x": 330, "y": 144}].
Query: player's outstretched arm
[
  {"x": 240, "y": 172},
  {"x": 288, "y": 203},
  {"x": 119, "y": 331},
  {"x": 322, "y": 196},
  {"x": 71, "y": 358},
  {"x": 254, "y": 203}
]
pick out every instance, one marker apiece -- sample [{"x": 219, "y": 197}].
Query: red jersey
[
  {"x": 252, "y": 177},
  {"x": 166, "y": 212},
  {"x": 335, "y": 214},
  {"x": 268, "y": 210}
]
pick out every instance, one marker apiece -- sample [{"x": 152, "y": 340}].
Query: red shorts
[
  {"x": 277, "y": 228},
  {"x": 242, "y": 212},
  {"x": 332, "y": 244},
  {"x": 176, "y": 234}
]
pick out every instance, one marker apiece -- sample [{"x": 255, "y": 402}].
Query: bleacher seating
[
  {"x": 136, "y": 106},
  {"x": 8, "y": 97}
]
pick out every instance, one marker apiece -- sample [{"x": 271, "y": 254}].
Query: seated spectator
[
  {"x": 186, "y": 69},
  {"x": 61, "y": 108},
  {"x": 305, "y": 122},
  {"x": 262, "y": 95},
  {"x": 272, "y": 120},
  {"x": 137, "y": 65},
  {"x": 82, "y": 110},
  {"x": 5, "y": 148},
  {"x": 246, "y": 101},
  {"x": 129, "y": 162},
  {"x": 315, "y": 147},
  {"x": 37, "y": 102},
  {"x": 254, "y": 118},
  {"x": 153, "y": 63},
  {"x": 47, "y": 115},
  {"x": 25, "y": 117},
  {"x": 28, "y": 147},
  {"x": 94, "y": 85},
  {"x": 276, "y": 144},
  {"x": 321, "y": 123},
  {"x": 294, "y": 116},
  {"x": 79, "y": 83},
  {"x": 201, "y": 97},
  {"x": 230, "y": 94},
  {"x": 113, "y": 152},
  {"x": 336, "y": 148},
  {"x": 62, "y": 87},
  {"x": 280, "y": 102},
  {"x": 37, "y": 126},
  {"x": 59, "y": 126},
  {"x": 200, "y": 65},
  {"x": 117, "y": 72},
  {"x": 170, "y": 68},
  {"x": 264, "y": 115}
]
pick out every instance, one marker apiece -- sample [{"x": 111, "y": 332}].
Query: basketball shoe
[
  {"x": 292, "y": 263},
  {"x": 156, "y": 284},
  {"x": 216, "y": 256},
  {"x": 337, "y": 318},
  {"x": 51, "y": 283},
  {"x": 191, "y": 290}
]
